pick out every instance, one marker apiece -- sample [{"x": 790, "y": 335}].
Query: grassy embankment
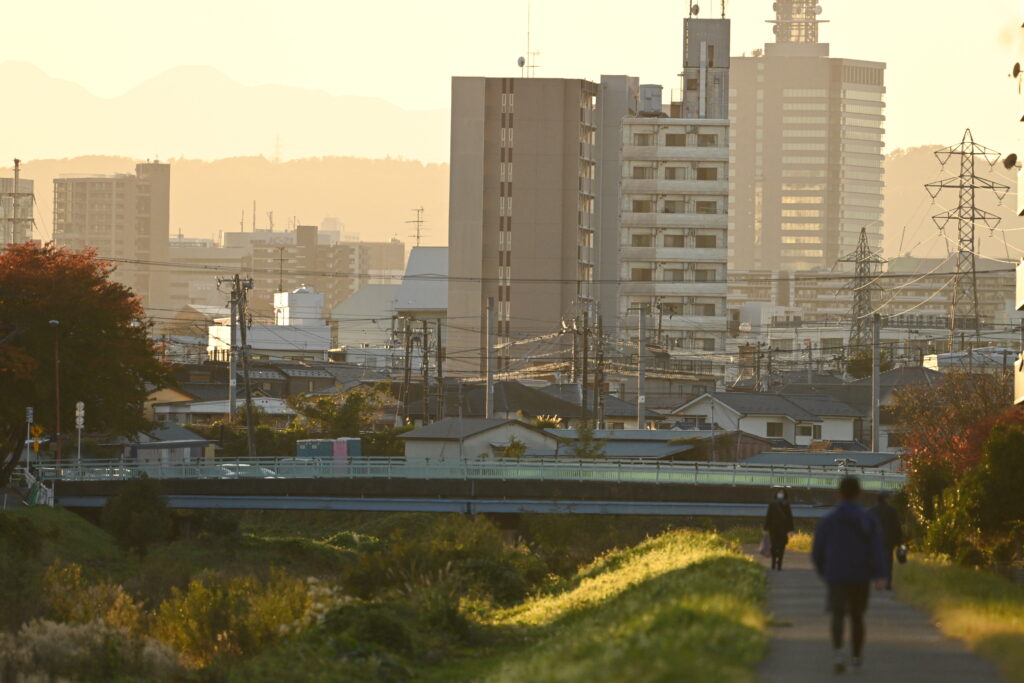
[{"x": 979, "y": 607}]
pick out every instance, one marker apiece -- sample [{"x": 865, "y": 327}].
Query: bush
[
  {"x": 138, "y": 516},
  {"x": 69, "y": 598},
  {"x": 217, "y": 617},
  {"x": 84, "y": 652},
  {"x": 469, "y": 552}
]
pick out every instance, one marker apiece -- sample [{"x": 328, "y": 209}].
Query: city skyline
[{"x": 410, "y": 64}]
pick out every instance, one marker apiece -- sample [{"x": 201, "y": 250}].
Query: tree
[
  {"x": 944, "y": 428},
  {"x": 52, "y": 298},
  {"x": 515, "y": 449},
  {"x": 347, "y": 414},
  {"x": 860, "y": 365},
  {"x": 138, "y": 516},
  {"x": 585, "y": 445}
]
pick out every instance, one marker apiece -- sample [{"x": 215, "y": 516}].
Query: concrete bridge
[{"x": 493, "y": 487}]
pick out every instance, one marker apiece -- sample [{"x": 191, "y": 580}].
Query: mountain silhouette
[{"x": 198, "y": 112}]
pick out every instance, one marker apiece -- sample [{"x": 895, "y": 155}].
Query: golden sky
[{"x": 948, "y": 59}]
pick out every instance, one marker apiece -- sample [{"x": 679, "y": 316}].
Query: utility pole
[
  {"x": 876, "y": 324},
  {"x": 641, "y": 380},
  {"x": 574, "y": 372},
  {"x": 964, "y": 309},
  {"x": 17, "y": 216},
  {"x": 426, "y": 373},
  {"x": 242, "y": 288},
  {"x": 599, "y": 376},
  {"x": 440, "y": 373},
  {"x": 406, "y": 369},
  {"x": 586, "y": 357},
  {"x": 768, "y": 379},
  {"x": 489, "y": 405},
  {"x": 233, "y": 343},
  {"x": 757, "y": 367}
]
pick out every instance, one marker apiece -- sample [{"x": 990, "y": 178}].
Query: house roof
[
  {"x": 820, "y": 458},
  {"x": 905, "y": 376},
  {"x": 515, "y": 397},
  {"x": 455, "y": 428},
  {"x": 799, "y": 408},
  {"x": 613, "y": 405}
]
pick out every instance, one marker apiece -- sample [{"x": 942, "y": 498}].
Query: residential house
[
  {"x": 788, "y": 420},
  {"x": 456, "y": 439}
]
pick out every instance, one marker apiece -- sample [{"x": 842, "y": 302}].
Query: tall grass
[{"x": 976, "y": 606}]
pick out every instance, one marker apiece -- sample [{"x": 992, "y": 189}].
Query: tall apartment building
[
  {"x": 122, "y": 216},
  {"x": 674, "y": 208},
  {"x": 522, "y": 210},
  {"x": 17, "y": 197},
  {"x": 287, "y": 261},
  {"x": 806, "y": 150}
]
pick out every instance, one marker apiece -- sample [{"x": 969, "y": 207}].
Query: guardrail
[{"x": 561, "y": 469}]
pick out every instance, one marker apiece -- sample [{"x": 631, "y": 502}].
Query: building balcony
[
  {"x": 685, "y": 187},
  {"x": 671, "y": 288},
  {"x": 662, "y": 153},
  {"x": 671, "y": 254},
  {"x": 674, "y": 220}
]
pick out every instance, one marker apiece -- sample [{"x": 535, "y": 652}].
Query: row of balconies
[
  {"x": 669, "y": 254},
  {"x": 630, "y": 219}
]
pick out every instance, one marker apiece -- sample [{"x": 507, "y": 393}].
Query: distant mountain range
[{"x": 198, "y": 112}]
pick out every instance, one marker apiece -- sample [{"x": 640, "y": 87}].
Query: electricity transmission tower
[
  {"x": 963, "y": 310},
  {"x": 864, "y": 284}
]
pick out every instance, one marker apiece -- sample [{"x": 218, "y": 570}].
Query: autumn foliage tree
[
  {"x": 944, "y": 430},
  {"x": 106, "y": 357}
]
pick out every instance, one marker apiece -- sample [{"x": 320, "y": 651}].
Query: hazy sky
[{"x": 948, "y": 59}]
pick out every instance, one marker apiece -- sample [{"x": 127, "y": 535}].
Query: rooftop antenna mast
[
  {"x": 418, "y": 221},
  {"x": 963, "y": 310},
  {"x": 531, "y": 55}
]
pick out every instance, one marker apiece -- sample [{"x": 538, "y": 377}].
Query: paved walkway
[{"x": 903, "y": 645}]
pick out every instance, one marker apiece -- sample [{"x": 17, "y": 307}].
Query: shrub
[
  {"x": 217, "y": 617},
  {"x": 69, "y": 598},
  {"x": 138, "y": 516},
  {"x": 84, "y": 652}
]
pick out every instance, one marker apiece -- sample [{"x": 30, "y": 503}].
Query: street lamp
[{"x": 56, "y": 373}]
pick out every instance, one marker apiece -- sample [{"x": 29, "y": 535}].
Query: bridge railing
[{"x": 558, "y": 469}]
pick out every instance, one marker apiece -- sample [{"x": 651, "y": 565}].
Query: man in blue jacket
[{"x": 847, "y": 554}]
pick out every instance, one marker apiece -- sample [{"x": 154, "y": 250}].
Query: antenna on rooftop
[
  {"x": 530, "y": 62},
  {"x": 419, "y": 225}
]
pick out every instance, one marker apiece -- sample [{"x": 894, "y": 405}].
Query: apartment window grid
[{"x": 585, "y": 202}]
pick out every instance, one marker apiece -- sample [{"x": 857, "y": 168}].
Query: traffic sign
[
  {"x": 79, "y": 409},
  {"x": 37, "y": 430},
  {"x": 30, "y": 414}
]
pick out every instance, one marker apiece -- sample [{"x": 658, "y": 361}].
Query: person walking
[
  {"x": 847, "y": 554},
  {"x": 892, "y": 532},
  {"x": 778, "y": 522}
]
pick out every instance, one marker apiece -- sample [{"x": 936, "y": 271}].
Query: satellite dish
[
  {"x": 1010, "y": 161},
  {"x": 1016, "y": 70},
  {"x": 817, "y": 9},
  {"x": 775, "y": 7},
  {"x": 521, "y": 62},
  {"x": 695, "y": 9}
]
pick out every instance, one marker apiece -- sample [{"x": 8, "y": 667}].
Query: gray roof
[
  {"x": 613, "y": 405},
  {"x": 821, "y": 458},
  {"x": 455, "y": 428},
  {"x": 425, "y": 284},
  {"x": 905, "y": 376},
  {"x": 824, "y": 405},
  {"x": 746, "y": 403}
]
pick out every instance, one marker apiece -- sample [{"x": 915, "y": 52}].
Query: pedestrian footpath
[{"x": 903, "y": 645}]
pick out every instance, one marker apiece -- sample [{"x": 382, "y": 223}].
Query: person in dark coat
[
  {"x": 847, "y": 553},
  {"x": 778, "y": 522},
  {"x": 892, "y": 532}
]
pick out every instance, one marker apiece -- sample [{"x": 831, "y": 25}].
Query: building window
[
  {"x": 803, "y": 430},
  {"x": 707, "y": 140},
  {"x": 706, "y": 242},
  {"x": 643, "y": 173},
  {"x": 704, "y": 275},
  {"x": 642, "y": 275},
  {"x": 673, "y": 275},
  {"x": 816, "y": 432},
  {"x": 706, "y": 207},
  {"x": 641, "y": 241},
  {"x": 708, "y": 344},
  {"x": 643, "y": 206},
  {"x": 675, "y": 206},
  {"x": 675, "y": 241},
  {"x": 707, "y": 173},
  {"x": 692, "y": 83},
  {"x": 675, "y": 140},
  {"x": 773, "y": 430},
  {"x": 704, "y": 309},
  {"x": 675, "y": 173},
  {"x": 643, "y": 139}
]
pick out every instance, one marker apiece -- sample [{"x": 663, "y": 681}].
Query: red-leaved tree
[{"x": 61, "y": 304}]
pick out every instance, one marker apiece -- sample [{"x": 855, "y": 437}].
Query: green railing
[{"x": 561, "y": 469}]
